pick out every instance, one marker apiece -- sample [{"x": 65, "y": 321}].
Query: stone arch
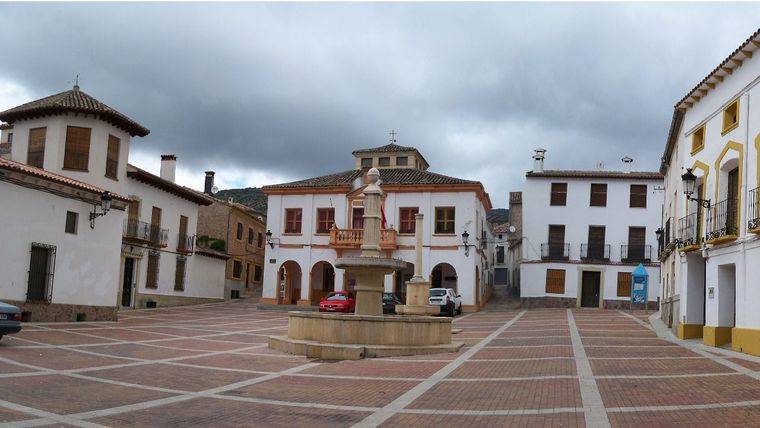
[
  {"x": 321, "y": 281},
  {"x": 289, "y": 283},
  {"x": 444, "y": 275}
]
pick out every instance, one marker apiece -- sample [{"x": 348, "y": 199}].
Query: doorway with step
[{"x": 591, "y": 283}]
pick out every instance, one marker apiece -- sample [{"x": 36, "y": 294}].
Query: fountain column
[{"x": 417, "y": 289}]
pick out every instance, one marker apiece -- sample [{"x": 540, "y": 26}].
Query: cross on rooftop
[{"x": 393, "y": 135}]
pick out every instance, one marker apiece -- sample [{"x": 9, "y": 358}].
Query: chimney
[
  {"x": 209, "y": 182},
  {"x": 538, "y": 160},
  {"x": 168, "y": 167},
  {"x": 627, "y": 164}
]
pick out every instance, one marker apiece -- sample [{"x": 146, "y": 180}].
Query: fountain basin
[{"x": 337, "y": 336}]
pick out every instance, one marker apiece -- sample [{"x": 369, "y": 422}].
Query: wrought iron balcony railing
[
  {"x": 142, "y": 232},
  {"x": 185, "y": 243},
  {"x": 352, "y": 238},
  {"x": 722, "y": 219},
  {"x": 595, "y": 251},
  {"x": 753, "y": 211},
  {"x": 636, "y": 253},
  {"x": 555, "y": 251},
  {"x": 690, "y": 230}
]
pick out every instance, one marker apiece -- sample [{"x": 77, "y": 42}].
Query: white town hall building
[{"x": 313, "y": 222}]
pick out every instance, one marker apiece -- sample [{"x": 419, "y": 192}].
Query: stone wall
[
  {"x": 141, "y": 300},
  {"x": 57, "y": 312},
  {"x": 547, "y": 302}
]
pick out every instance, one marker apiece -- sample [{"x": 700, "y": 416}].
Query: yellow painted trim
[
  {"x": 690, "y": 248},
  {"x": 690, "y": 331},
  {"x": 731, "y": 127},
  {"x": 723, "y": 239},
  {"x": 697, "y": 149},
  {"x": 757, "y": 155},
  {"x": 731, "y": 145},
  {"x": 755, "y": 230},
  {"x": 746, "y": 340},
  {"x": 716, "y": 336}
]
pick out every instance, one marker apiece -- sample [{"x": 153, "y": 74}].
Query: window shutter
[
  {"x": 638, "y": 196},
  {"x": 598, "y": 195},
  {"x": 112, "y": 157},
  {"x": 559, "y": 194},
  {"x": 36, "y": 153},
  {"x": 624, "y": 284},
  {"x": 555, "y": 281},
  {"x": 179, "y": 275},
  {"x": 151, "y": 280},
  {"x": 77, "y": 152}
]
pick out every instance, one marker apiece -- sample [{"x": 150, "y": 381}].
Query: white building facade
[
  {"x": 583, "y": 234},
  {"x": 315, "y": 221},
  {"x": 711, "y": 250}
]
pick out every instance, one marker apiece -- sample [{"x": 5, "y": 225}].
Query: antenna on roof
[
  {"x": 76, "y": 82},
  {"x": 393, "y": 134}
]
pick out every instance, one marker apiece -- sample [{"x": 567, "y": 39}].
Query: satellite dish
[
  {"x": 512, "y": 229},
  {"x": 214, "y": 190}
]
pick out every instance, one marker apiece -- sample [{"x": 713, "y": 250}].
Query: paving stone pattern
[{"x": 209, "y": 365}]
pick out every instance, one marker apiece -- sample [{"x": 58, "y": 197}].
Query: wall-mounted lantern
[{"x": 105, "y": 206}]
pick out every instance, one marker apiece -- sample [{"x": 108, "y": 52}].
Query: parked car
[
  {"x": 10, "y": 319},
  {"x": 449, "y": 301},
  {"x": 338, "y": 301},
  {"x": 390, "y": 301}
]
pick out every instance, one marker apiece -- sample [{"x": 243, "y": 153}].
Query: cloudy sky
[{"x": 265, "y": 93}]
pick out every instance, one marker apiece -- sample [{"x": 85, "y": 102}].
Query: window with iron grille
[
  {"x": 77, "y": 151},
  {"x": 71, "y": 222},
  {"x": 558, "y": 194},
  {"x": 35, "y": 155},
  {"x": 259, "y": 239},
  {"x": 555, "y": 281},
  {"x": 325, "y": 219},
  {"x": 237, "y": 269},
  {"x": 444, "y": 220},
  {"x": 598, "y": 195},
  {"x": 151, "y": 279},
  {"x": 406, "y": 220},
  {"x": 179, "y": 274},
  {"x": 41, "y": 273},
  {"x": 624, "y": 284},
  {"x": 112, "y": 157},
  {"x": 250, "y": 236},
  {"x": 257, "y": 273},
  {"x": 293, "y": 220},
  {"x": 239, "y": 233},
  {"x": 638, "y": 196}
]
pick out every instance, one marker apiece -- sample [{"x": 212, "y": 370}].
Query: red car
[{"x": 338, "y": 301}]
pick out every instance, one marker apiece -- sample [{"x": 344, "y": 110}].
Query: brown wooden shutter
[
  {"x": 151, "y": 280},
  {"x": 624, "y": 284},
  {"x": 596, "y": 235},
  {"x": 638, "y": 196},
  {"x": 637, "y": 236},
  {"x": 155, "y": 216},
  {"x": 182, "y": 226},
  {"x": 555, "y": 281},
  {"x": 112, "y": 157},
  {"x": 133, "y": 212},
  {"x": 179, "y": 275},
  {"x": 556, "y": 234},
  {"x": 35, "y": 155},
  {"x": 77, "y": 152},
  {"x": 559, "y": 194},
  {"x": 598, "y": 195}
]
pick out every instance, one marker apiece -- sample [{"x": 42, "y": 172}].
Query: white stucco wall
[{"x": 86, "y": 264}]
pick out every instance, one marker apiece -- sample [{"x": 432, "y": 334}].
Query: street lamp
[
  {"x": 465, "y": 238},
  {"x": 269, "y": 238},
  {"x": 105, "y": 206},
  {"x": 689, "y": 183}
]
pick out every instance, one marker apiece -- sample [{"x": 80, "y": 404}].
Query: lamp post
[
  {"x": 465, "y": 238},
  {"x": 105, "y": 206},
  {"x": 689, "y": 182},
  {"x": 269, "y": 238}
]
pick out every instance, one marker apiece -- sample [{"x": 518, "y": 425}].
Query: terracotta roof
[
  {"x": 10, "y": 165},
  {"x": 388, "y": 148},
  {"x": 720, "y": 70},
  {"x": 675, "y": 128},
  {"x": 4, "y": 126},
  {"x": 501, "y": 228},
  {"x": 208, "y": 252},
  {"x": 76, "y": 101},
  {"x": 389, "y": 176},
  {"x": 636, "y": 175},
  {"x": 143, "y": 176}
]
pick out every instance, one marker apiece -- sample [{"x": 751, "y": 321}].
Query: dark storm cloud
[{"x": 292, "y": 89}]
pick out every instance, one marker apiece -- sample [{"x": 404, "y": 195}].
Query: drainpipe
[{"x": 745, "y": 193}]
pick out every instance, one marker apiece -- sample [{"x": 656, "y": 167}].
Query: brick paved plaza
[{"x": 209, "y": 366}]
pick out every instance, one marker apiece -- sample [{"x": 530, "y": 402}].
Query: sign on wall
[{"x": 639, "y": 288}]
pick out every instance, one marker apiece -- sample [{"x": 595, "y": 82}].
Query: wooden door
[
  {"x": 596, "y": 239},
  {"x": 636, "y": 243},
  {"x": 39, "y": 269},
  {"x": 732, "y": 202},
  {"x": 590, "y": 289},
  {"x": 556, "y": 241}
]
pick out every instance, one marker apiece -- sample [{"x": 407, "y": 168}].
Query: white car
[{"x": 449, "y": 301}]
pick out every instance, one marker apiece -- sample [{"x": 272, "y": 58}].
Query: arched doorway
[
  {"x": 444, "y": 276},
  {"x": 289, "y": 283},
  {"x": 322, "y": 281},
  {"x": 401, "y": 277}
]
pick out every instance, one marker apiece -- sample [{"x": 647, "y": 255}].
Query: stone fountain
[{"x": 367, "y": 332}]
